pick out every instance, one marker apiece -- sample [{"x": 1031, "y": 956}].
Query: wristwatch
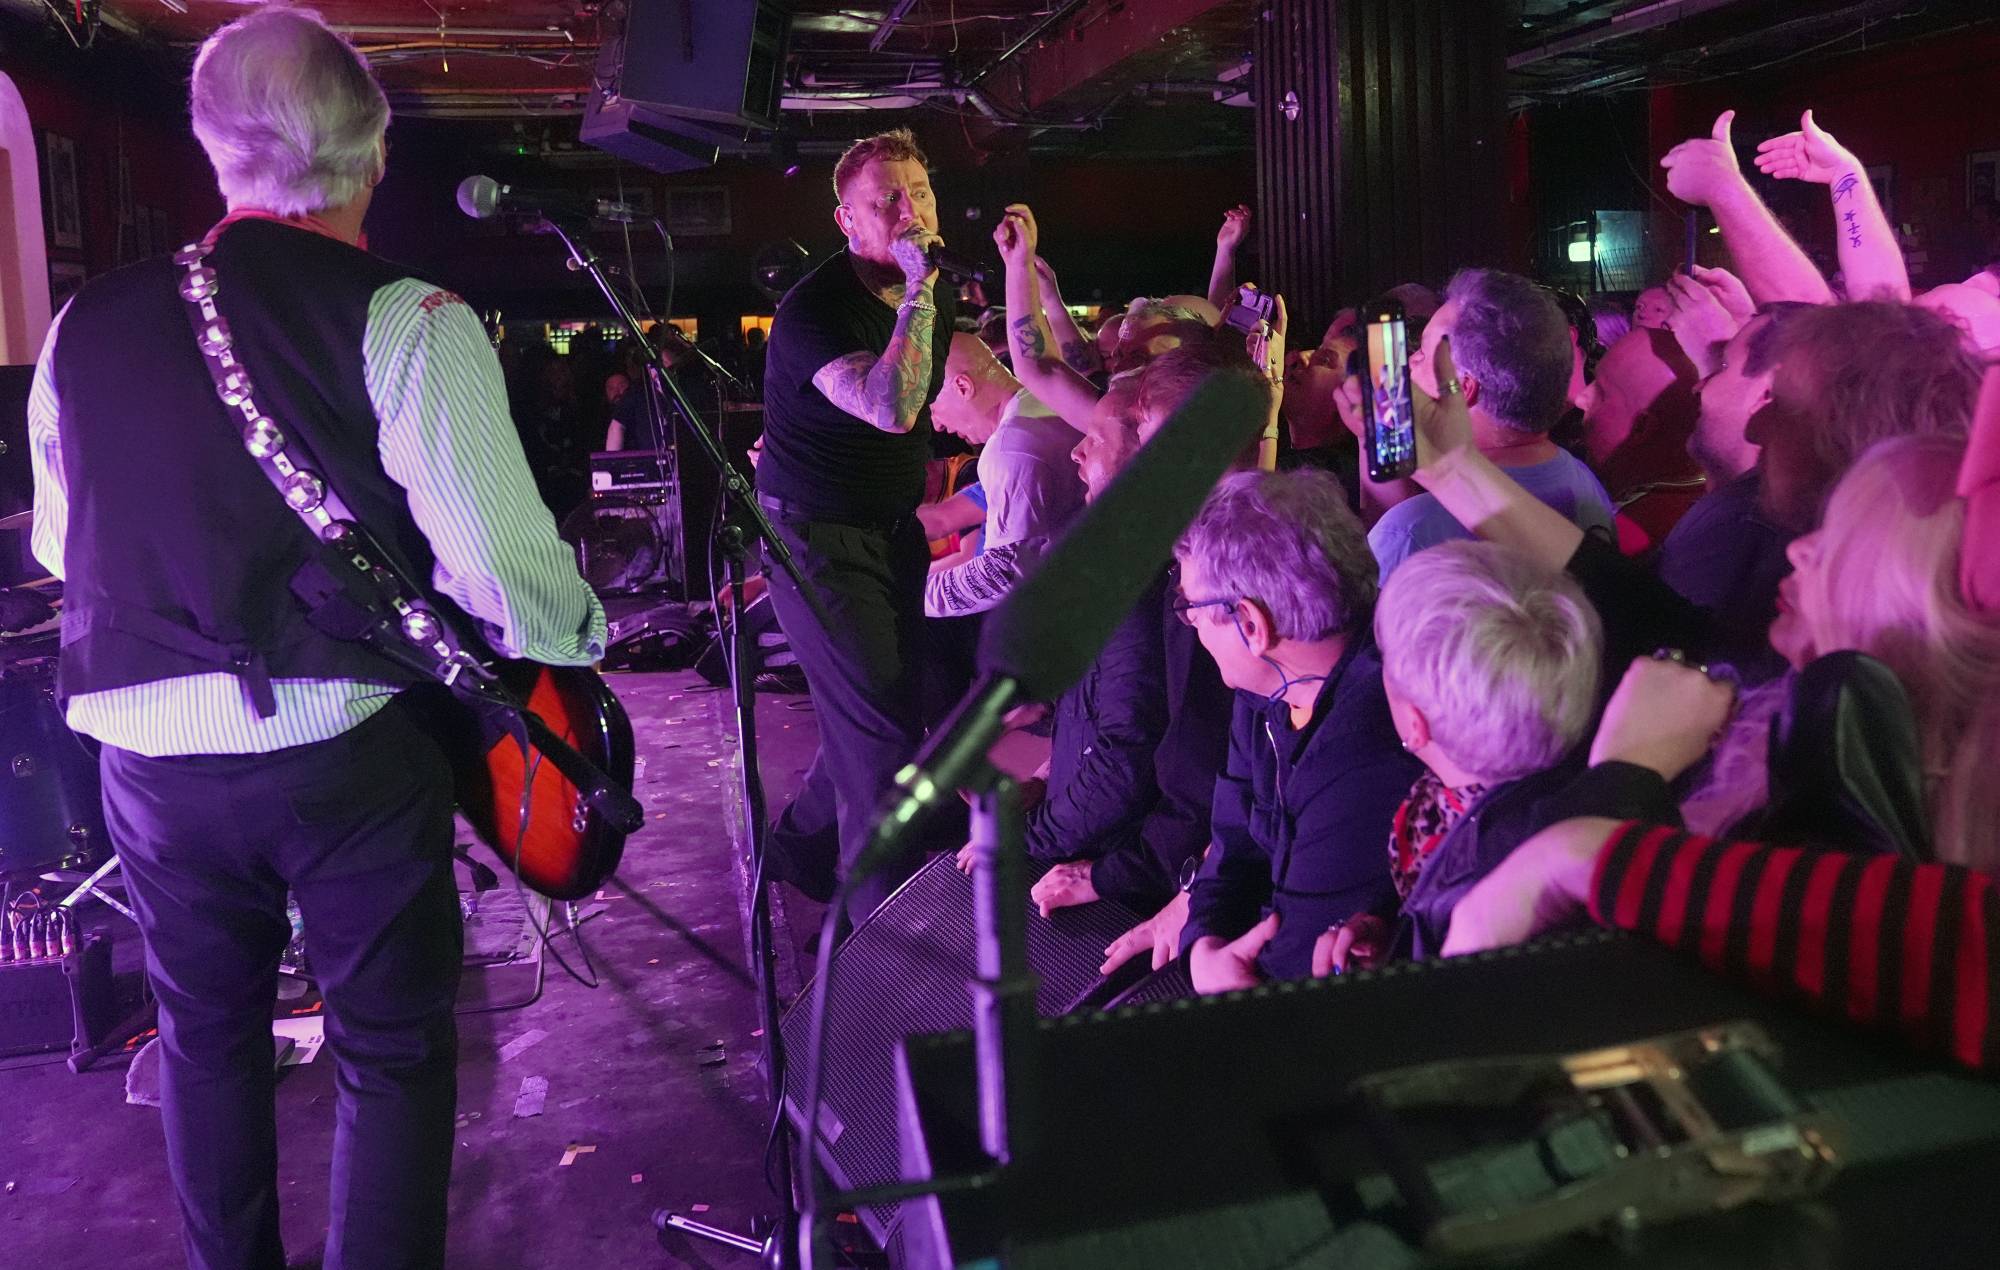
[{"x": 1189, "y": 867}]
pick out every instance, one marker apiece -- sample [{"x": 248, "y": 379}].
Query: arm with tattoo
[
  {"x": 1871, "y": 260},
  {"x": 1032, "y": 345},
  {"x": 1078, "y": 352},
  {"x": 889, "y": 391}
]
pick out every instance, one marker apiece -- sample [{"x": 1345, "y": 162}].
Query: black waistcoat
[{"x": 179, "y": 554}]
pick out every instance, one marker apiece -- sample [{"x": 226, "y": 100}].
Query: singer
[{"x": 856, "y": 355}]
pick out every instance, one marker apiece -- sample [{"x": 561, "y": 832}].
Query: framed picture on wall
[
  {"x": 698, "y": 211},
  {"x": 65, "y": 277},
  {"x": 1982, "y": 177},
  {"x": 64, "y": 202}
]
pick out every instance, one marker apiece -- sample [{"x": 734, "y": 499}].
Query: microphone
[
  {"x": 482, "y": 197},
  {"x": 957, "y": 267},
  {"x": 1048, "y": 631}
]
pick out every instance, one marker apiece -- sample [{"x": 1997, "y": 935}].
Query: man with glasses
[
  {"x": 856, "y": 355},
  {"x": 1277, "y": 580}
]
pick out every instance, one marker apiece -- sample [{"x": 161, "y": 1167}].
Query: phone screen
[{"x": 1389, "y": 431}]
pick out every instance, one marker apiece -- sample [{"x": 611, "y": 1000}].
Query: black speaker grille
[{"x": 904, "y": 971}]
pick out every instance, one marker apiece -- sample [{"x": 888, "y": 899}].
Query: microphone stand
[{"x": 778, "y": 1247}]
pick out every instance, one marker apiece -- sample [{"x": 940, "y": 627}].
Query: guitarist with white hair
[{"x": 245, "y": 752}]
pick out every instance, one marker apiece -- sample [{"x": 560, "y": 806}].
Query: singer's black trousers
[
  {"x": 865, "y": 670},
  {"x": 359, "y": 828}
]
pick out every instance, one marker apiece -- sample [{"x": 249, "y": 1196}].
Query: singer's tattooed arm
[{"x": 887, "y": 392}]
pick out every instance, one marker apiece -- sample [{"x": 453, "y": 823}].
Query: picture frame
[
  {"x": 1982, "y": 176},
  {"x": 66, "y": 277},
  {"x": 62, "y": 196},
  {"x": 698, "y": 211}
]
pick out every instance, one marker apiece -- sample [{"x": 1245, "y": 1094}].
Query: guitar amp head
[{"x": 631, "y": 471}]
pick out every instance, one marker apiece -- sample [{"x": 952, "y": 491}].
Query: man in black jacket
[
  {"x": 1138, "y": 741},
  {"x": 1278, "y": 583}
]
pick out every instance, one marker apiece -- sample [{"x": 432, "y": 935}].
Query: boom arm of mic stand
[{"x": 734, "y": 486}]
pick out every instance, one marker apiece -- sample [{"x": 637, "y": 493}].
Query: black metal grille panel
[{"x": 904, "y": 971}]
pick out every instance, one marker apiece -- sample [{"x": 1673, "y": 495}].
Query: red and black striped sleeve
[{"x": 1876, "y": 938}]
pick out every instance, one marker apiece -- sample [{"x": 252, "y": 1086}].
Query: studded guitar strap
[{"x": 352, "y": 588}]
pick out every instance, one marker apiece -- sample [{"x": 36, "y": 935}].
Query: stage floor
[{"x": 654, "y": 1091}]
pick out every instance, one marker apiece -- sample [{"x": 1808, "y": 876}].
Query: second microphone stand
[{"x": 778, "y": 1247}]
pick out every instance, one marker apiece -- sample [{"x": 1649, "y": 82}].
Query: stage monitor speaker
[
  {"x": 1219, "y": 1132},
  {"x": 648, "y": 136},
  {"x": 904, "y": 971},
  {"x": 714, "y": 61}
]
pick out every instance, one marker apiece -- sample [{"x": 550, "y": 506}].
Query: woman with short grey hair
[
  {"x": 289, "y": 114},
  {"x": 1491, "y": 665}
]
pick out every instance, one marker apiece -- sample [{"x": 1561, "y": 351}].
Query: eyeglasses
[{"x": 1184, "y": 608}]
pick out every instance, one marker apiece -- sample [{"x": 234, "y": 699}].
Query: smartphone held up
[{"x": 1388, "y": 412}]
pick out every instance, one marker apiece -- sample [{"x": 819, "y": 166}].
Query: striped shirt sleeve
[
  {"x": 1878, "y": 939},
  {"x": 448, "y": 439},
  {"x": 50, "y": 526}
]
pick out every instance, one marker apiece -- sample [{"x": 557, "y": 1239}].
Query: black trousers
[
  {"x": 359, "y": 828},
  {"x": 864, "y": 671}
]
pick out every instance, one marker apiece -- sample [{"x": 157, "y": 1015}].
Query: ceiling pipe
[
  {"x": 1035, "y": 32},
  {"x": 1619, "y": 25},
  {"x": 890, "y": 21},
  {"x": 456, "y": 32}
]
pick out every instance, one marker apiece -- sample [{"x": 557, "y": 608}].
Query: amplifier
[
  {"x": 627, "y": 471},
  {"x": 1221, "y": 1132},
  {"x": 56, "y": 1003},
  {"x": 904, "y": 970}
]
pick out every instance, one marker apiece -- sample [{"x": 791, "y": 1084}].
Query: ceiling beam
[
  {"x": 890, "y": 21},
  {"x": 1080, "y": 42},
  {"x": 1619, "y": 25}
]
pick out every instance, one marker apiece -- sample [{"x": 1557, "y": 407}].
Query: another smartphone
[
  {"x": 1388, "y": 414},
  {"x": 1250, "y": 307}
]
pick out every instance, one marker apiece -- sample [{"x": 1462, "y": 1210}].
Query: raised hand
[
  {"x": 1218, "y": 966},
  {"x": 1810, "y": 154},
  {"x": 1729, "y": 292},
  {"x": 912, "y": 252},
  {"x": 1017, "y": 236},
  {"x": 1665, "y": 716},
  {"x": 1266, "y": 344},
  {"x": 1444, "y": 423},
  {"x": 1699, "y": 322},
  {"x": 1704, "y": 169},
  {"x": 1235, "y": 224}
]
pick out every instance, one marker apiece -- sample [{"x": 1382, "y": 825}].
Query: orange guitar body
[{"x": 566, "y": 850}]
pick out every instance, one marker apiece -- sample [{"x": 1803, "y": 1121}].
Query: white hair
[
  {"x": 288, "y": 111},
  {"x": 1500, "y": 654},
  {"x": 1288, "y": 541}
]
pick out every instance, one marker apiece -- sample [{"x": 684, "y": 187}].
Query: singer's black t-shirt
[{"x": 816, "y": 455}]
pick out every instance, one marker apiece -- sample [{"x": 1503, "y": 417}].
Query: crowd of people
[{"x": 1687, "y": 622}]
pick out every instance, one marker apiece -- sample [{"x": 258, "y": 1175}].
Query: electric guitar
[{"x": 579, "y": 745}]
